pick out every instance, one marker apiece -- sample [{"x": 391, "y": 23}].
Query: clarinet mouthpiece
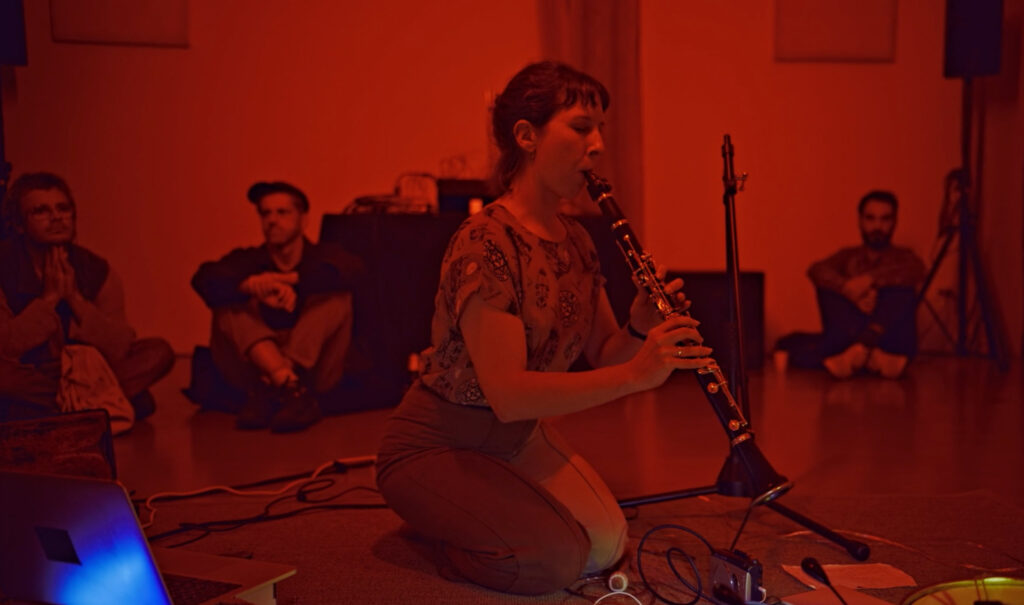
[{"x": 596, "y": 186}]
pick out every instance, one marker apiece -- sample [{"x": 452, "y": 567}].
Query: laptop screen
[{"x": 75, "y": 541}]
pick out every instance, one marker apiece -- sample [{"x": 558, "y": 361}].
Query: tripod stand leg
[
  {"x": 857, "y": 550},
  {"x": 938, "y": 321},
  {"x": 686, "y": 493},
  {"x": 995, "y": 345}
]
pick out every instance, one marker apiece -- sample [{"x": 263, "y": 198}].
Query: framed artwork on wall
[
  {"x": 835, "y": 31},
  {"x": 125, "y": 22}
]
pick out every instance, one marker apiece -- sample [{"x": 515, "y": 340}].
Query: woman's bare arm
[{"x": 496, "y": 342}]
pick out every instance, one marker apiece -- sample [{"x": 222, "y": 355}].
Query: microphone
[{"x": 814, "y": 569}]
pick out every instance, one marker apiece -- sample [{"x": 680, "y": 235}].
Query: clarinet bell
[{"x": 747, "y": 473}]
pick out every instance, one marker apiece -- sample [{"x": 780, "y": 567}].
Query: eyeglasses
[{"x": 40, "y": 213}]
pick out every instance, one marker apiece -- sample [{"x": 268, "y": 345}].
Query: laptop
[
  {"x": 76, "y": 541},
  {"x": 73, "y": 443}
]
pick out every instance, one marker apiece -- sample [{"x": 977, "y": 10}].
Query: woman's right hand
[{"x": 661, "y": 354}]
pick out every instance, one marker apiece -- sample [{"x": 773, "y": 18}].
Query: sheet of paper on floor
[
  {"x": 862, "y": 575},
  {"x": 824, "y": 596}
]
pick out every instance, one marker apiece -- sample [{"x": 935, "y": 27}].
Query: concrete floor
[{"x": 950, "y": 425}]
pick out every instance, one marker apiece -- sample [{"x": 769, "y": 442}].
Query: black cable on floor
[{"x": 222, "y": 525}]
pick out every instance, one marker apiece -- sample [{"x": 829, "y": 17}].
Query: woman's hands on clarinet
[
  {"x": 644, "y": 315},
  {"x": 674, "y": 344}
]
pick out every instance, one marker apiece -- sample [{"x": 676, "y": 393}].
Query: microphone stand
[
  {"x": 746, "y": 472},
  {"x": 737, "y": 369}
]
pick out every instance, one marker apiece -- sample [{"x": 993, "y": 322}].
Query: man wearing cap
[{"x": 282, "y": 314}]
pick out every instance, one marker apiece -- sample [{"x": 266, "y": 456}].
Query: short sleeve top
[{"x": 553, "y": 287}]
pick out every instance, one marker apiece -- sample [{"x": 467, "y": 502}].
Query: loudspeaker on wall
[
  {"x": 973, "y": 38},
  {"x": 12, "y": 33}
]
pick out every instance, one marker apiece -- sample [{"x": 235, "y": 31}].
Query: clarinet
[{"x": 762, "y": 480}]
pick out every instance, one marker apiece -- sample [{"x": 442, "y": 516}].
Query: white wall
[
  {"x": 159, "y": 144},
  {"x": 813, "y": 136}
]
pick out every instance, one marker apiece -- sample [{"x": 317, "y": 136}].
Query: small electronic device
[{"x": 738, "y": 572}]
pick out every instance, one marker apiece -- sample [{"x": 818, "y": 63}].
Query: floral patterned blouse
[{"x": 553, "y": 287}]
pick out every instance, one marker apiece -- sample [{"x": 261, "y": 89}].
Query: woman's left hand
[{"x": 644, "y": 315}]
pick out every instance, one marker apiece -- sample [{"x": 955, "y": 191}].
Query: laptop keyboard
[{"x": 186, "y": 590}]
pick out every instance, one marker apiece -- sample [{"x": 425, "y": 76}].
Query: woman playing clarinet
[{"x": 469, "y": 459}]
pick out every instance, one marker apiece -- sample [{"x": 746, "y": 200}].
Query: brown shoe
[
  {"x": 888, "y": 365},
  {"x": 259, "y": 408},
  {"x": 299, "y": 409},
  {"x": 843, "y": 365},
  {"x": 144, "y": 405}
]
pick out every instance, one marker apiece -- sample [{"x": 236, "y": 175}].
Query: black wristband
[{"x": 634, "y": 332}]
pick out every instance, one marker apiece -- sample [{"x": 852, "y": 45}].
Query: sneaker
[
  {"x": 299, "y": 409},
  {"x": 843, "y": 365},
  {"x": 259, "y": 409},
  {"x": 888, "y": 365}
]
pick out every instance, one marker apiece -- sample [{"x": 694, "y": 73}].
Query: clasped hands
[
  {"x": 273, "y": 289},
  {"x": 58, "y": 276},
  {"x": 862, "y": 292}
]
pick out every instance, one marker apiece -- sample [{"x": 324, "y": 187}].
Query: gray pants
[
  {"x": 509, "y": 506},
  {"x": 318, "y": 342}
]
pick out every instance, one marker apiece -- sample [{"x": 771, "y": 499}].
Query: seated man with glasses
[{"x": 54, "y": 292}]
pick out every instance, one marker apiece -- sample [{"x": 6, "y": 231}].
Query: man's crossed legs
[
  {"x": 283, "y": 371},
  {"x": 882, "y": 342}
]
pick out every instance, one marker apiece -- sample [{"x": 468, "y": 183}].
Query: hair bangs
[{"x": 585, "y": 92}]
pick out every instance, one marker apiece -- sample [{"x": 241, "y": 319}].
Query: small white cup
[{"x": 781, "y": 359}]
